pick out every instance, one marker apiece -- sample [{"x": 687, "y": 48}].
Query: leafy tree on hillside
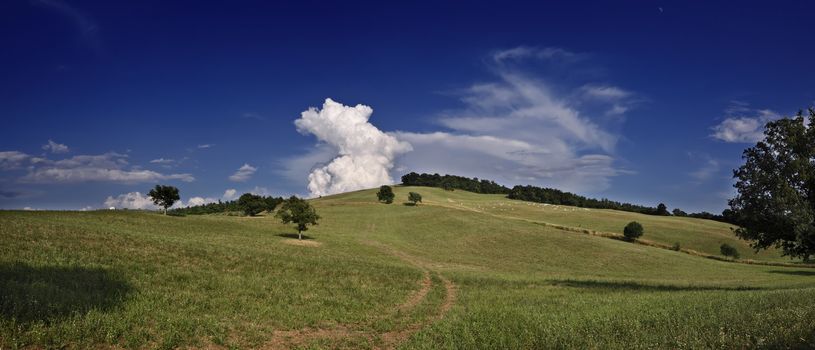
[
  {"x": 164, "y": 196},
  {"x": 251, "y": 204},
  {"x": 415, "y": 198},
  {"x": 662, "y": 209},
  {"x": 679, "y": 212},
  {"x": 298, "y": 211},
  {"x": 385, "y": 194},
  {"x": 728, "y": 250},
  {"x": 775, "y": 204},
  {"x": 632, "y": 231}
]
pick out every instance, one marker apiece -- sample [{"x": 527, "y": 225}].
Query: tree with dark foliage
[
  {"x": 164, "y": 196},
  {"x": 415, "y": 198},
  {"x": 251, "y": 204},
  {"x": 385, "y": 194},
  {"x": 775, "y": 204},
  {"x": 662, "y": 209},
  {"x": 632, "y": 231},
  {"x": 728, "y": 250}
]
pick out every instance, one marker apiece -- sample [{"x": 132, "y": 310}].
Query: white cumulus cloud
[
  {"x": 230, "y": 194},
  {"x": 244, "y": 173},
  {"x": 132, "y": 200},
  {"x": 365, "y": 154}
]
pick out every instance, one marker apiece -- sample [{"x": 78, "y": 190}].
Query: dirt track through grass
[{"x": 379, "y": 340}]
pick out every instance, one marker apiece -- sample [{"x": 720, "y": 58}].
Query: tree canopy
[
  {"x": 385, "y": 194},
  {"x": 164, "y": 196},
  {"x": 633, "y": 230},
  {"x": 299, "y": 212},
  {"x": 775, "y": 204},
  {"x": 414, "y": 198},
  {"x": 252, "y": 204}
]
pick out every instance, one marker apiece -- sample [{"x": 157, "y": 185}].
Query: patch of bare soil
[{"x": 302, "y": 242}]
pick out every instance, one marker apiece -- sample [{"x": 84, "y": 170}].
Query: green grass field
[{"x": 459, "y": 271}]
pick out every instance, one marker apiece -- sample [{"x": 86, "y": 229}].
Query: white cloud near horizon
[
  {"x": 54, "y": 147},
  {"x": 364, "y": 155},
  {"x": 243, "y": 173}
]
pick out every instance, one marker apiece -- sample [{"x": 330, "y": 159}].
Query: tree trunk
[
  {"x": 165, "y": 210},
  {"x": 300, "y": 235}
]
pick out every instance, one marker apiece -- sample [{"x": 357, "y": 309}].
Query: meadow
[{"x": 458, "y": 271}]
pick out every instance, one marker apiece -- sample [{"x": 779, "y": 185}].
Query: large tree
[
  {"x": 164, "y": 196},
  {"x": 775, "y": 204},
  {"x": 298, "y": 211}
]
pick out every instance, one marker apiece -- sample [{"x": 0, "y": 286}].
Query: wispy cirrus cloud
[
  {"x": 743, "y": 124},
  {"x": 87, "y": 28},
  {"x": 107, "y": 167},
  {"x": 525, "y": 127}
]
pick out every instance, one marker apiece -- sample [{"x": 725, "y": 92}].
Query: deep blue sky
[{"x": 131, "y": 83}]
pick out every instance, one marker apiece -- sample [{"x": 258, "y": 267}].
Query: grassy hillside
[
  {"x": 705, "y": 236},
  {"x": 459, "y": 271}
]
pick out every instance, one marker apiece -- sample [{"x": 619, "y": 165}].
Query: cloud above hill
[
  {"x": 743, "y": 124},
  {"x": 521, "y": 127},
  {"x": 364, "y": 154}
]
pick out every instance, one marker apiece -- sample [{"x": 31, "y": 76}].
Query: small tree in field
[
  {"x": 385, "y": 194},
  {"x": 415, "y": 198},
  {"x": 632, "y": 231},
  {"x": 298, "y": 211},
  {"x": 164, "y": 196},
  {"x": 251, "y": 204},
  {"x": 728, "y": 250}
]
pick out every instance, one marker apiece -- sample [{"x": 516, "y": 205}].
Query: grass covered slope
[
  {"x": 701, "y": 235},
  {"x": 443, "y": 274}
]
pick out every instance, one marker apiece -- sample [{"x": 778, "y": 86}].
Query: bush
[
  {"x": 728, "y": 250},
  {"x": 676, "y": 247},
  {"x": 632, "y": 231}
]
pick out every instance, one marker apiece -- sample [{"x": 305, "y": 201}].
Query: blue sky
[{"x": 640, "y": 101}]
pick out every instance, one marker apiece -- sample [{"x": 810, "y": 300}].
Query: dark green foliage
[
  {"x": 385, "y": 194},
  {"x": 558, "y": 197},
  {"x": 164, "y": 196},
  {"x": 632, "y": 231},
  {"x": 676, "y": 247},
  {"x": 450, "y": 182},
  {"x": 728, "y": 250},
  {"x": 270, "y": 203},
  {"x": 662, "y": 209},
  {"x": 414, "y": 198},
  {"x": 298, "y": 211},
  {"x": 251, "y": 204},
  {"x": 679, "y": 212},
  {"x": 775, "y": 204}
]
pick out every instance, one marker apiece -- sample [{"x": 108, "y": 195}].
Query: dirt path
[{"x": 387, "y": 340}]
